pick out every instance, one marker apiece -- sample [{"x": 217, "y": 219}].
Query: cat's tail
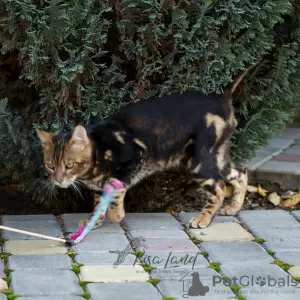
[{"x": 230, "y": 90}]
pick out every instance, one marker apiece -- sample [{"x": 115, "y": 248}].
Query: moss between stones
[
  {"x": 204, "y": 253},
  {"x": 154, "y": 281},
  {"x": 76, "y": 268},
  {"x": 195, "y": 240},
  {"x": 4, "y": 256},
  {"x": 138, "y": 253},
  {"x": 215, "y": 266},
  {"x": 147, "y": 268},
  {"x": 236, "y": 288},
  {"x": 7, "y": 279},
  {"x": 239, "y": 297},
  {"x": 284, "y": 266},
  {"x": 72, "y": 254},
  {"x": 85, "y": 295},
  {"x": 9, "y": 294},
  {"x": 168, "y": 298},
  {"x": 259, "y": 241},
  {"x": 297, "y": 279},
  {"x": 271, "y": 253},
  {"x": 7, "y": 271}
]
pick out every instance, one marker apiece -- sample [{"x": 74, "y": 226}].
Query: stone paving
[
  {"x": 253, "y": 256},
  {"x": 279, "y": 162}
]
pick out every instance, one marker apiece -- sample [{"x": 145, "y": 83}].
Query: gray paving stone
[
  {"x": 245, "y": 272},
  {"x": 280, "y": 143},
  {"x": 178, "y": 273},
  {"x": 166, "y": 234},
  {"x": 186, "y": 217},
  {"x": 3, "y": 297},
  {"x": 2, "y": 267},
  {"x": 97, "y": 241},
  {"x": 293, "y": 150},
  {"x": 292, "y": 258},
  {"x": 172, "y": 260},
  {"x": 64, "y": 297},
  {"x": 124, "y": 291},
  {"x": 103, "y": 258},
  {"x": 259, "y": 159},
  {"x": 40, "y": 262},
  {"x": 30, "y": 218},
  {"x": 46, "y": 227},
  {"x": 152, "y": 221},
  {"x": 43, "y": 283},
  {"x": 296, "y": 214},
  {"x": 179, "y": 289},
  {"x": 71, "y": 222},
  {"x": 270, "y": 293},
  {"x": 283, "y": 246},
  {"x": 282, "y": 167},
  {"x": 267, "y": 219},
  {"x": 236, "y": 252},
  {"x": 283, "y": 234},
  {"x": 169, "y": 245}
]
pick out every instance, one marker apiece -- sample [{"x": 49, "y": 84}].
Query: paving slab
[
  {"x": 291, "y": 258},
  {"x": 259, "y": 159},
  {"x": 2, "y": 267},
  {"x": 98, "y": 241},
  {"x": 165, "y": 234},
  {"x": 291, "y": 133},
  {"x": 103, "y": 258},
  {"x": 30, "y": 218},
  {"x": 256, "y": 274},
  {"x": 152, "y": 221},
  {"x": 292, "y": 150},
  {"x": 284, "y": 167},
  {"x": 270, "y": 293},
  {"x": 295, "y": 271},
  {"x": 283, "y": 234},
  {"x": 186, "y": 217},
  {"x": 178, "y": 273},
  {"x": 267, "y": 219},
  {"x": 64, "y": 297},
  {"x": 236, "y": 252},
  {"x": 43, "y": 283},
  {"x": 217, "y": 232},
  {"x": 281, "y": 143},
  {"x": 111, "y": 274},
  {"x": 34, "y": 247},
  {"x": 124, "y": 291},
  {"x": 283, "y": 246},
  {"x": 287, "y": 157},
  {"x": 178, "y": 289},
  {"x": 46, "y": 227},
  {"x": 296, "y": 214},
  {"x": 173, "y": 260},
  {"x": 3, "y": 297},
  {"x": 168, "y": 245},
  {"x": 40, "y": 262},
  {"x": 71, "y": 222}
]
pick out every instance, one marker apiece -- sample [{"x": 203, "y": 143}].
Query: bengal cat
[{"x": 190, "y": 130}]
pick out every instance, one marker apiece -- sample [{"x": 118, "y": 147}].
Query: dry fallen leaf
[
  {"x": 261, "y": 191},
  {"x": 274, "y": 198},
  {"x": 251, "y": 189},
  {"x": 291, "y": 202},
  {"x": 287, "y": 194}
]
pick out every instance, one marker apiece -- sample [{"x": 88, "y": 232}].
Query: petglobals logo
[{"x": 255, "y": 281}]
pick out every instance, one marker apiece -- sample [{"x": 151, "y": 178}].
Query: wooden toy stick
[{"x": 33, "y": 234}]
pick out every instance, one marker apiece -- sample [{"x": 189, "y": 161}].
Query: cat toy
[{"x": 107, "y": 197}]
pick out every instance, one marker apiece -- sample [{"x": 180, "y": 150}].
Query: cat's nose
[{"x": 59, "y": 178}]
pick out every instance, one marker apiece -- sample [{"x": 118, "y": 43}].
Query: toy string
[{"x": 106, "y": 199}]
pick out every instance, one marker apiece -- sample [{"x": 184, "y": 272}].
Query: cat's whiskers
[{"x": 76, "y": 189}]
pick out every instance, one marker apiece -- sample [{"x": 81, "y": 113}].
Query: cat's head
[{"x": 67, "y": 156}]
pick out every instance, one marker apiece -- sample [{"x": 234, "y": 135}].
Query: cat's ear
[
  {"x": 46, "y": 138},
  {"x": 79, "y": 136}
]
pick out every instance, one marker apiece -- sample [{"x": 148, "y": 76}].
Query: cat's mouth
[{"x": 63, "y": 185}]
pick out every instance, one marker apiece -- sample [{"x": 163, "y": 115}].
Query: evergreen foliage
[{"x": 66, "y": 62}]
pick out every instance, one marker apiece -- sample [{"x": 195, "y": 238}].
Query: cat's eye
[
  {"x": 70, "y": 165},
  {"x": 50, "y": 166}
]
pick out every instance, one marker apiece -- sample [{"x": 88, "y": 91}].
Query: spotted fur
[{"x": 189, "y": 130}]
